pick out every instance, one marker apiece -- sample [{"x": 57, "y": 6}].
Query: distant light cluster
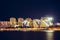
[{"x": 28, "y": 22}]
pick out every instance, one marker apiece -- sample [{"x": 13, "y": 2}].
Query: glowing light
[
  {"x": 57, "y": 23},
  {"x": 16, "y": 25},
  {"x": 49, "y": 35},
  {"x": 49, "y": 30},
  {"x": 50, "y": 18}
]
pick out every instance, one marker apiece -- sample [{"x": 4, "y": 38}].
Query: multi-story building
[
  {"x": 27, "y": 22},
  {"x": 20, "y": 21},
  {"x": 45, "y": 22},
  {"x": 36, "y": 23},
  {"x": 30, "y": 22},
  {"x": 4, "y": 24},
  {"x": 13, "y": 21}
]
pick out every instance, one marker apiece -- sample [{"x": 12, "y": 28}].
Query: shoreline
[{"x": 30, "y": 29}]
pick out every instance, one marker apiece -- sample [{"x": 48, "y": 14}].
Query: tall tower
[
  {"x": 13, "y": 21},
  {"x": 20, "y": 21}
]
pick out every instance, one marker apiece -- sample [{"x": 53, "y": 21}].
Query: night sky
[{"x": 29, "y": 8}]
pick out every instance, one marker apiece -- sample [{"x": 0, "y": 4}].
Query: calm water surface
[{"x": 29, "y": 35}]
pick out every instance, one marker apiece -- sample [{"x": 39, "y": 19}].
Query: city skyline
[
  {"x": 31, "y": 8},
  {"x": 26, "y": 20}
]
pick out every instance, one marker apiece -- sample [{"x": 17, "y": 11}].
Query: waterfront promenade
[{"x": 29, "y": 29}]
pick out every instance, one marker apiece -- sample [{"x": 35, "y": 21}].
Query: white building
[
  {"x": 36, "y": 23},
  {"x": 46, "y": 22}
]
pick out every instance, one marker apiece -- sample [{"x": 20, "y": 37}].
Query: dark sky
[{"x": 29, "y": 8}]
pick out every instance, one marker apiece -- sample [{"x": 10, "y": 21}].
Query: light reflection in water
[{"x": 49, "y": 35}]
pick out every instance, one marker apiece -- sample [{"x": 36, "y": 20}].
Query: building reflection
[{"x": 50, "y": 35}]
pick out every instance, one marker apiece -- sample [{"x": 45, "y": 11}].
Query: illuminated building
[
  {"x": 49, "y": 20},
  {"x": 45, "y": 22},
  {"x": 30, "y": 22},
  {"x": 8, "y": 23},
  {"x": 57, "y": 24},
  {"x": 27, "y": 22},
  {"x": 4, "y": 23},
  {"x": 36, "y": 23},
  {"x": 12, "y": 21},
  {"x": 29, "y": 19},
  {"x": 20, "y": 21}
]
